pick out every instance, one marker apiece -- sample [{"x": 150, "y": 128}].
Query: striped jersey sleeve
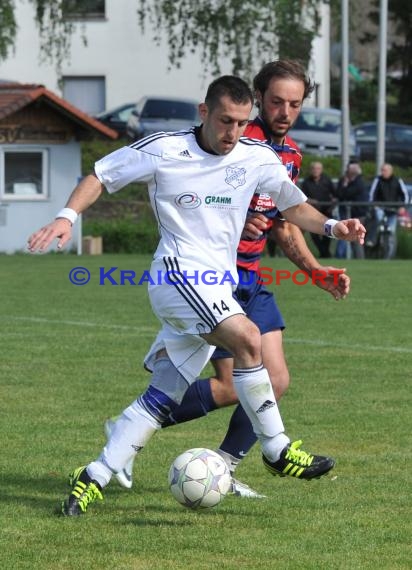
[{"x": 250, "y": 251}]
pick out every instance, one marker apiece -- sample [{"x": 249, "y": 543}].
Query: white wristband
[
  {"x": 328, "y": 228},
  {"x": 68, "y": 214}
]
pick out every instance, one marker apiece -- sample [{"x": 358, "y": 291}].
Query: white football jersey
[{"x": 200, "y": 199}]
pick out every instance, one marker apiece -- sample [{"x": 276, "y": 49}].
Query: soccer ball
[{"x": 199, "y": 478}]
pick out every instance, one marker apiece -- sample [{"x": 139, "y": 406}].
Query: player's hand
[
  {"x": 255, "y": 225},
  {"x": 333, "y": 280},
  {"x": 60, "y": 229},
  {"x": 350, "y": 230}
]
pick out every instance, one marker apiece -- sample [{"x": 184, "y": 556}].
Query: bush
[
  {"x": 332, "y": 166},
  {"x": 125, "y": 235},
  {"x": 94, "y": 150},
  {"x": 404, "y": 247}
]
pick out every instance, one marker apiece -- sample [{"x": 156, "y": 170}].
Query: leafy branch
[
  {"x": 8, "y": 28},
  {"x": 243, "y": 33}
]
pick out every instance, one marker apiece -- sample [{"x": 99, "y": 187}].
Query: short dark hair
[
  {"x": 282, "y": 69},
  {"x": 231, "y": 86}
]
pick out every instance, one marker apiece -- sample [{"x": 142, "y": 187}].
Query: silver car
[
  {"x": 154, "y": 114},
  {"x": 318, "y": 131}
]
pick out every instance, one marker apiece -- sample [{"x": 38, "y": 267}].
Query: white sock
[
  {"x": 99, "y": 472},
  {"x": 131, "y": 432},
  {"x": 256, "y": 395}
]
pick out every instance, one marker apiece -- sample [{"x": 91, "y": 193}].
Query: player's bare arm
[
  {"x": 292, "y": 242},
  {"x": 308, "y": 218},
  {"x": 84, "y": 195}
]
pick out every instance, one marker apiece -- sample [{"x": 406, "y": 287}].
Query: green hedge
[
  {"x": 127, "y": 236},
  {"x": 404, "y": 247},
  {"x": 124, "y": 235},
  {"x": 332, "y": 167},
  {"x": 93, "y": 150}
]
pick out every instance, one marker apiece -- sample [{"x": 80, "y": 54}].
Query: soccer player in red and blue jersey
[{"x": 280, "y": 89}]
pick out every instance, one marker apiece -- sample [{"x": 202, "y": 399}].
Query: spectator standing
[
  {"x": 352, "y": 188},
  {"x": 387, "y": 188},
  {"x": 320, "y": 191}
]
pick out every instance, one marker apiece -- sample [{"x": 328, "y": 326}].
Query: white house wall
[
  {"x": 131, "y": 62},
  {"x": 19, "y": 219}
]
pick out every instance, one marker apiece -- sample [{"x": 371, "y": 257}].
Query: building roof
[{"x": 16, "y": 96}]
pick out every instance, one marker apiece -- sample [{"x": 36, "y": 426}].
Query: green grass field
[{"x": 71, "y": 356}]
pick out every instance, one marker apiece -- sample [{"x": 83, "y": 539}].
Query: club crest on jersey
[
  {"x": 188, "y": 200},
  {"x": 289, "y": 168},
  {"x": 235, "y": 176}
]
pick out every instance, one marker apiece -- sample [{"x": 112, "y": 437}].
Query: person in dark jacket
[
  {"x": 352, "y": 188},
  {"x": 320, "y": 191},
  {"x": 387, "y": 188}
]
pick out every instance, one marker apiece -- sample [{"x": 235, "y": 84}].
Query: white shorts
[{"x": 188, "y": 307}]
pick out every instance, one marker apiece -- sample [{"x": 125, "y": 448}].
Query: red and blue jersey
[{"x": 250, "y": 251}]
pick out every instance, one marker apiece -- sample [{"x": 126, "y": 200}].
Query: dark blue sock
[
  {"x": 240, "y": 436},
  {"x": 197, "y": 402}
]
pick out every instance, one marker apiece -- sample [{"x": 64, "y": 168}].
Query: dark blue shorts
[{"x": 259, "y": 305}]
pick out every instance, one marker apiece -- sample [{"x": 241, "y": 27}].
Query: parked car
[
  {"x": 398, "y": 142},
  {"x": 117, "y": 117},
  {"x": 318, "y": 131},
  {"x": 154, "y": 114}
]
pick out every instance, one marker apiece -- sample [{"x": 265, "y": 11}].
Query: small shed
[{"x": 40, "y": 158}]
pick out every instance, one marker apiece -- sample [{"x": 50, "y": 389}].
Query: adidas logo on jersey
[
  {"x": 185, "y": 153},
  {"x": 265, "y": 406}
]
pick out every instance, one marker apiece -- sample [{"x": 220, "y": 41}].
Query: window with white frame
[{"x": 24, "y": 174}]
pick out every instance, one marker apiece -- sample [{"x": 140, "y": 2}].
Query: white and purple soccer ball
[{"x": 199, "y": 478}]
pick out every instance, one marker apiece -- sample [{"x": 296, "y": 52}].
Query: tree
[
  {"x": 53, "y": 19},
  {"x": 238, "y": 35},
  {"x": 55, "y": 30},
  {"x": 8, "y": 28},
  {"x": 399, "y": 56},
  {"x": 245, "y": 32},
  {"x": 400, "y": 52}
]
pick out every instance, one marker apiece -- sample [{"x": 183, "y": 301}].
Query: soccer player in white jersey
[
  {"x": 200, "y": 183},
  {"x": 280, "y": 88}
]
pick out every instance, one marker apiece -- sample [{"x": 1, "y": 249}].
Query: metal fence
[{"x": 385, "y": 241}]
